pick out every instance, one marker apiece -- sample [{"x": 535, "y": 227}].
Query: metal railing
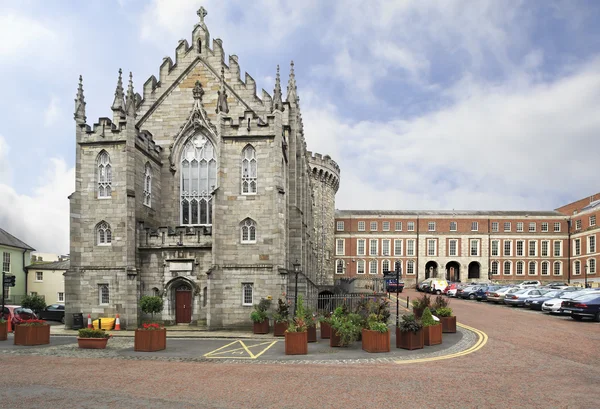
[{"x": 329, "y": 302}]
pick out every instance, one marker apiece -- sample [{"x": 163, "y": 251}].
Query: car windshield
[
  {"x": 23, "y": 311},
  {"x": 553, "y": 294}
]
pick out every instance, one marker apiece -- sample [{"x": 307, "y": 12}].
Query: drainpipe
[
  {"x": 25, "y": 270},
  {"x": 417, "y": 252},
  {"x": 489, "y": 252},
  {"x": 569, "y": 251}
]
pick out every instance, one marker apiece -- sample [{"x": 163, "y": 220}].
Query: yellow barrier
[{"x": 107, "y": 323}]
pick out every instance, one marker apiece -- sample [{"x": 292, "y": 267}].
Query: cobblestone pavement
[{"x": 531, "y": 360}]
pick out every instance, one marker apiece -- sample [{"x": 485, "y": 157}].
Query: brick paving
[{"x": 530, "y": 361}]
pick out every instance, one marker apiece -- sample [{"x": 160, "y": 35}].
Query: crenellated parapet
[
  {"x": 324, "y": 169},
  {"x": 177, "y": 237},
  {"x": 145, "y": 142}
]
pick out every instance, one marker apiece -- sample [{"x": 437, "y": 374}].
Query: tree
[
  {"x": 34, "y": 302},
  {"x": 151, "y": 304}
]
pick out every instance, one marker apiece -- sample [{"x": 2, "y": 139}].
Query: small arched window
[
  {"x": 104, "y": 176},
  {"x": 519, "y": 271},
  {"x": 507, "y": 268},
  {"x": 339, "y": 267},
  {"x": 532, "y": 268},
  {"x": 148, "y": 185},
  {"x": 249, "y": 170},
  {"x": 577, "y": 268},
  {"x": 410, "y": 267},
  {"x": 360, "y": 267},
  {"x": 103, "y": 234},
  {"x": 545, "y": 268},
  {"x": 373, "y": 267},
  {"x": 557, "y": 268},
  {"x": 248, "y": 231},
  {"x": 494, "y": 268},
  {"x": 385, "y": 265}
]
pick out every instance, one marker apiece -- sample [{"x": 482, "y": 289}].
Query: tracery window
[
  {"x": 103, "y": 234},
  {"x": 249, "y": 171},
  {"x": 248, "y": 231},
  {"x": 104, "y": 176},
  {"x": 148, "y": 185},
  {"x": 198, "y": 180}
]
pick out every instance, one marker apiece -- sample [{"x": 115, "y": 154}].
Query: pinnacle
[{"x": 118, "y": 103}]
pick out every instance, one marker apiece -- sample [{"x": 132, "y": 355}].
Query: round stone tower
[{"x": 325, "y": 183}]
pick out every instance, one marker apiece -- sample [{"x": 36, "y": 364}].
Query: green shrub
[
  {"x": 92, "y": 333},
  {"x": 443, "y": 312},
  {"x": 151, "y": 304},
  {"x": 34, "y": 302},
  {"x": 409, "y": 323},
  {"x": 260, "y": 311},
  {"x": 378, "y": 326},
  {"x": 422, "y": 302},
  {"x": 281, "y": 314},
  {"x": 427, "y": 318},
  {"x": 440, "y": 302}
]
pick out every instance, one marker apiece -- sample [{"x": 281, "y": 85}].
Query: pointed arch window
[
  {"x": 198, "y": 180},
  {"x": 104, "y": 176},
  {"x": 148, "y": 185},
  {"x": 248, "y": 231},
  {"x": 103, "y": 234},
  {"x": 249, "y": 170}
]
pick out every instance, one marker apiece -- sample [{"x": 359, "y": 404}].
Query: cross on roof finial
[{"x": 201, "y": 13}]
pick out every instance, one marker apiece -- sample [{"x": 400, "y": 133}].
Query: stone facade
[{"x": 211, "y": 198}]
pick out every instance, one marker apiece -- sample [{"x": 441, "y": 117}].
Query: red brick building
[{"x": 505, "y": 246}]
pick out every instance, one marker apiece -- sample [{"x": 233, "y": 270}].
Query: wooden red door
[{"x": 183, "y": 305}]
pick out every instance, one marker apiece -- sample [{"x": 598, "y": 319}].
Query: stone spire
[
  {"x": 277, "y": 103},
  {"x": 118, "y": 105},
  {"x": 80, "y": 103},
  {"x": 222, "y": 99},
  {"x": 292, "y": 93},
  {"x": 130, "y": 104}
]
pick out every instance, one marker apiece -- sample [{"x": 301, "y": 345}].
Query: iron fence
[{"x": 329, "y": 302}]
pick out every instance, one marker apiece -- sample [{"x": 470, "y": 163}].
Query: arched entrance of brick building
[
  {"x": 474, "y": 270},
  {"x": 431, "y": 269},
  {"x": 453, "y": 271}
]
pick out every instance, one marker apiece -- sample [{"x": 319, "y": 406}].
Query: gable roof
[
  {"x": 7, "y": 239},
  {"x": 56, "y": 265}
]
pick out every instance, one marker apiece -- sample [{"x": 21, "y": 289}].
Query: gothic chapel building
[{"x": 197, "y": 191}]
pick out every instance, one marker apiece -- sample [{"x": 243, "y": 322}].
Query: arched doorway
[
  {"x": 324, "y": 301},
  {"x": 474, "y": 270},
  {"x": 453, "y": 271},
  {"x": 431, "y": 269},
  {"x": 183, "y": 303}
]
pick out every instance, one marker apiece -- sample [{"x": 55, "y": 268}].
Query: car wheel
[
  {"x": 597, "y": 317},
  {"x": 577, "y": 317},
  {"x": 438, "y": 292},
  {"x": 400, "y": 290},
  {"x": 62, "y": 320},
  {"x": 471, "y": 296}
]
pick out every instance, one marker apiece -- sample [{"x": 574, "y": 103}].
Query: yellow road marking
[{"x": 239, "y": 351}]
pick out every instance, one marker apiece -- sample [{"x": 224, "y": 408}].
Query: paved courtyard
[{"x": 530, "y": 360}]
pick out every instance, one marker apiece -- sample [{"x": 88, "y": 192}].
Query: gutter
[
  {"x": 26, "y": 270},
  {"x": 569, "y": 251}
]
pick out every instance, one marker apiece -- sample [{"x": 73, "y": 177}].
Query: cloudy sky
[{"x": 474, "y": 104}]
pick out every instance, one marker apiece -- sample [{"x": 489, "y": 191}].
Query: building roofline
[{"x": 7, "y": 239}]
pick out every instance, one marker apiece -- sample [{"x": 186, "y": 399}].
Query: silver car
[
  {"x": 517, "y": 299},
  {"x": 498, "y": 295},
  {"x": 554, "y": 306}
]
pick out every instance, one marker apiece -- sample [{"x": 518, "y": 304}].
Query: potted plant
[
  {"x": 260, "y": 317},
  {"x": 432, "y": 330},
  {"x": 420, "y": 304},
  {"x": 32, "y": 332},
  {"x": 89, "y": 338},
  {"x": 447, "y": 319},
  {"x": 296, "y": 337},
  {"x": 3, "y": 329},
  {"x": 344, "y": 327},
  {"x": 376, "y": 334},
  {"x": 151, "y": 336},
  {"x": 280, "y": 318},
  {"x": 325, "y": 324},
  {"x": 409, "y": 334},
  {"x": 311, "y": 325}
]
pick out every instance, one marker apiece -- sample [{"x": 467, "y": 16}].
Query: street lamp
[{"x": 296, "y": 271}]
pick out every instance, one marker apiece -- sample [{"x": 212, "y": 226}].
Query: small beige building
[{"x": 47, "y": 280}]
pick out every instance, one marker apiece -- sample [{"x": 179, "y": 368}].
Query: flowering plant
[
  {"x": 33, "y": 323},
  {"x": 151, "y": 326},
  {"x": 93, "y": 333}
]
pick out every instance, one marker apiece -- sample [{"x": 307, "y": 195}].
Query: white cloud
[
  {"x": 5, "y": 173},
  {"x": 493, "y": 148},
  {"x": 21, "y": 36},
  {"x": 52, "y": 112},
  {"x": 42, "y": 218}
]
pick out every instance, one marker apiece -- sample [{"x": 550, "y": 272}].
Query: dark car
[
  {"x": 585, "y": 306},
  {"x": 537, "y": 302},
  {"x": 391, "y": 286},
  {"x": 468, "y": 292},
  {"x": 54, "y": 312},
  {"x": 483, "y": 291},
  {"x": 21, "y": 314}
]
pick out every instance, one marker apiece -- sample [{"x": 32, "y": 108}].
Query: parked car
[
  {"x": 587, "y": 305},
  {"x": 482, "y": 292},
  {"x": 391, "y": 287},
  {"x": 497, "y": 296},
  {"x": 468, "y": 292},
  {"x": 21, "y": 314},
  {"x": 536, "y": 303},
  {"x": 560, "y": 286},
  {"x": 517, "y": 299},
  {"x": 7, "y": 314},
  {"x": 437, "y": 286},
  {"x": 451, "y": 286},
  {"x": 530, "y": 284},
  {"x": 56, "y": 312},
  {"x": 554, "y": 306}
]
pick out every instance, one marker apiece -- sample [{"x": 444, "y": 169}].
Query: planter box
[
  {"x": 433, "y": 334},
  {"x": 409, "y": 340},
  {"x": 325, "y": 330},
  {"x": 92, "y": 343},
  {"x": 334, "y": 339},
  {"x": 4, "y": 331},
  {"x": 296, "y": 343},
  {"x": 279, "y": 329},
  {"x": 150, "y": 340},
  {"x": 375, "y": 341},
  {"x": 261, "y": 327},
  {"x": 311, "y": 333},
  {"x": 28, "y": 335},
  {"x": 448, "y": 324}
]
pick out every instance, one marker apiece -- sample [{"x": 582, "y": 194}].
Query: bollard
[{"x": 407, "y": 298}]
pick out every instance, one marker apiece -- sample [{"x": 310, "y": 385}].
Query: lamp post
[
  {"x": 296, "y": 271},
  {"x": 585, "y": 277}
]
